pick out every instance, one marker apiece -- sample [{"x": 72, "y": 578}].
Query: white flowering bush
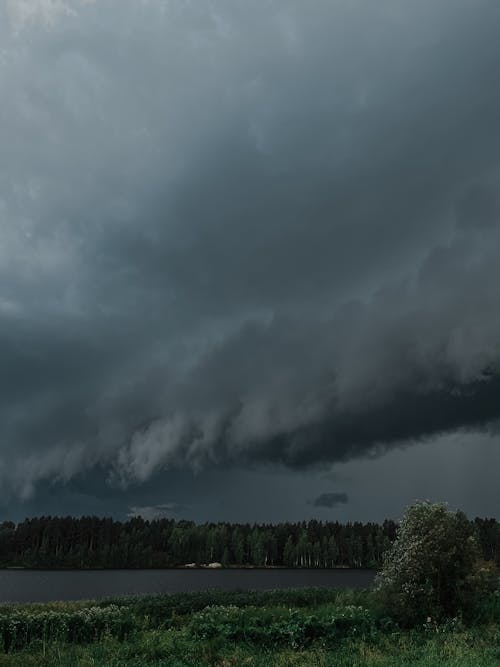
[
  {"x": 433, "y": 569},
  {"x": 19, "y": 628}
]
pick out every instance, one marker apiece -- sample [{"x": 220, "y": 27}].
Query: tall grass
[
  {"x": 248, "y": 628},
  {"x": 175, "y": 648}
]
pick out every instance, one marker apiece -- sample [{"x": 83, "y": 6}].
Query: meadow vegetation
[
  {"x": 435, "y": 603},
  {"x": 292, "y": 627}
]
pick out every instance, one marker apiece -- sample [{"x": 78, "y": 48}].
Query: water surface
[{"x": 45, "y": 585}]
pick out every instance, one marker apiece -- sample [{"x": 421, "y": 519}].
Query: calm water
[{"x": 44, "y": 585}]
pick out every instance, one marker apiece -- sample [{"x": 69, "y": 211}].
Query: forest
[{"x": 94, "y": 542}]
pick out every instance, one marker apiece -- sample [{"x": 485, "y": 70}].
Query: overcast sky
[{"x": 249, "y": 257}]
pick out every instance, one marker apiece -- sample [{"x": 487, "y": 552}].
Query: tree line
[{"x": 94, "y": 542}]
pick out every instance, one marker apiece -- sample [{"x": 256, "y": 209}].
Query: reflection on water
[{"x": 44, "y": 585}]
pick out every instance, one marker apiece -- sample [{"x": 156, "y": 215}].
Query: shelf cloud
[{"x": 243, "y": 234}]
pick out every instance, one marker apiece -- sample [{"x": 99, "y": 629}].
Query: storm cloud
[
  {"x": 330, "y": 499},
  {"x": 244, "y": 233}
]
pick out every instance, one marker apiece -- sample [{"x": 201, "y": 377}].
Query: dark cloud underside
[
  {"x": 331, "y": 499},
  {"x": 241, "y": 234}
]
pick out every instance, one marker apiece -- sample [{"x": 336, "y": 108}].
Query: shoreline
[{"x": 11, "y": 568}]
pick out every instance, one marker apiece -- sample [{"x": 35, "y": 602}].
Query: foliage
[
  {"x": 20, "y": 628},
  {"x": 448, "y": 647},
  {"x": 295, "y": 628},
  {"x": 291, "y": 619},
  {"x": 79, "y": 622},
  {"x": 158, "y": 608},
  {"x": 433, "y": 569},
  {"x": 90, "y": 542}
]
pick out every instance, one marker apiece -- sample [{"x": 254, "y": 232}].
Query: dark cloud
[
  {"x": 478, "y": 207},
  {"x": 244, "y": 234},
  {"x": 330, "y": 499}
]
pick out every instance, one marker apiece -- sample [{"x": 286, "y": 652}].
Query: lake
[{"x": 45, "y": 585}]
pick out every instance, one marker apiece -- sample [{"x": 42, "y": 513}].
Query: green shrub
[
  {"x": 22, "y": 627},
  {"x": 159, "y": 609},
  {"x": 280, "y": 627},
  {"x": 433, "y": 568}
]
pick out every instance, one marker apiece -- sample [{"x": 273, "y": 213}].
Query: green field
[{"x": 295, "y": 627}]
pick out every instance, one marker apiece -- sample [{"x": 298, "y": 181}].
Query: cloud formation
[
  {"x": 234, "y": 234},
  {"x": 331, "y": 499}
]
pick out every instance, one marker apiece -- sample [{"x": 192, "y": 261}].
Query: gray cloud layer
[
  {"x": 331, "y": 499},
  {"x": 241, "y": 233}
]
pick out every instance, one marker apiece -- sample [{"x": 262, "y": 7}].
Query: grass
[
  {"x": 310, "y": 628},
  {"x": 175, "y": 648}
]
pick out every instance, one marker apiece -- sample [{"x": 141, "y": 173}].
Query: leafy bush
[
  {"x": 433, "y": 568},
  {"x": 83, "y": 622},
  {"x": 160, "y": 608},
  {"x": 291, "y": 619},
  {"x": 488, "y": 609},
  {"x": 22, "y": 627},
  {"x": 294, "y": 628}
]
